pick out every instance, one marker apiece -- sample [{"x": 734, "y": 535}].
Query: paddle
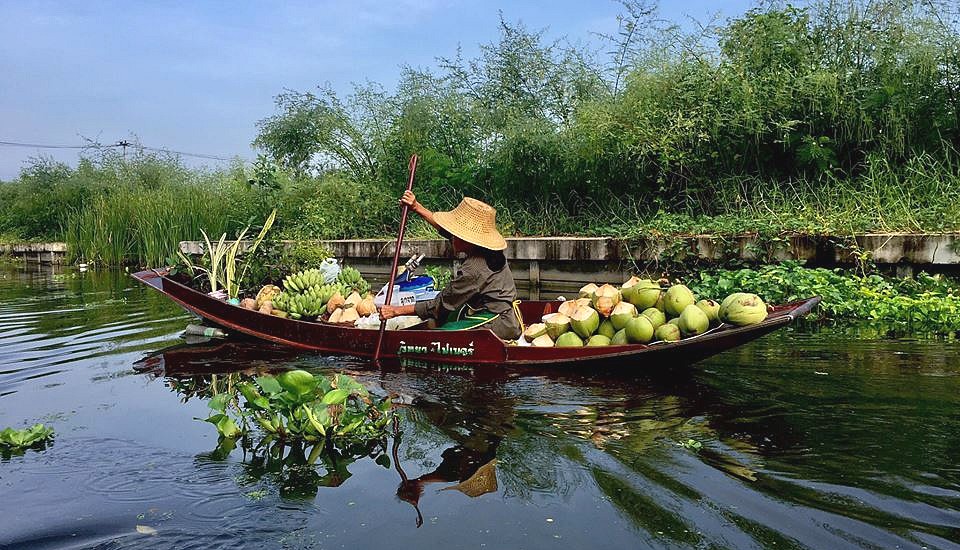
[{"x": 396, "y": 259}]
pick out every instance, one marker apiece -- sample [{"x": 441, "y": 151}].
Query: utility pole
[{"x": 124, "y": 143}]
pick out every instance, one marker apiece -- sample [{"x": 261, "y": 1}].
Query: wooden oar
[{"x": 396, "y": 259}]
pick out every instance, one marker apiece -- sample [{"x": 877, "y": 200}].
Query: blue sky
[{"x": 197, "y": 76}]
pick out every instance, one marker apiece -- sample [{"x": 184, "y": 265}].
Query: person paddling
[{"x": 483, "y": 287}]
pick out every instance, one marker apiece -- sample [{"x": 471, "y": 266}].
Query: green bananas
[
  {"x": 351, "y": 280},
  {"x": 309, "y": 304},
  {"x": 304, "y": 280}
]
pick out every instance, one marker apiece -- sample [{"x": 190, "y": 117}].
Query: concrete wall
[
  {"x": 46, "y": 253},
  {"x": 548, "y": 266}
]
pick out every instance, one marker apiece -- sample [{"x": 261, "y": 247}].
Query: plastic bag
[{"x": 330, "y": 269}]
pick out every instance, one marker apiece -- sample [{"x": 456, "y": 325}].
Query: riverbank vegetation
[{"x": 831, "y": 117}]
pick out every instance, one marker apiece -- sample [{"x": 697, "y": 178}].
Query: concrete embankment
[{"x": 556, "y": 265}]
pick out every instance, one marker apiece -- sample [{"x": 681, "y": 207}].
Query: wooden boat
[{"x": 464, "y": 347}]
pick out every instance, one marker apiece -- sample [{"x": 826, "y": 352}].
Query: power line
[
  {"x": 40, "y": 146},
  {"x": 122, "y": 143}
]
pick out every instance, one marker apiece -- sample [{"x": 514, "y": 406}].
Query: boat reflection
[{"x": 484, "y": 432}]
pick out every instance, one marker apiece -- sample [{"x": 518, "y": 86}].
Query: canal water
[{"x": 808, "y": 438}]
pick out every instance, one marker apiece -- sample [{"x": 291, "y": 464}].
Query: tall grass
[{"x": 145, "y": 225}]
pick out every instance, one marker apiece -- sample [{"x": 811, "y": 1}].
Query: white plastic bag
[{"x": 330, "y": 269}]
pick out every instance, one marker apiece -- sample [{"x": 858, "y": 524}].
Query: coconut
[
  {"x": 248, "y": 303},
  {"x": 266, "y": 307},
  {"x": 334, "y": 302},
  {"x": 569, "y": 340},
  {"x": 659, "y": 303},
  {"x": 639, "y": 330},
  {"x": 557, "y": 324},
  {"x": 712, "y": 309},
  {"x": 584, "y": 321},
  {"x": 353, "y": 300},
  {"x": 726, "y": 303},
  {"x": 747, "y": 309},
  {"x": 645, "y": 293},
  {"x": 267, "y": 294},
  {"x": 619, "y": 338},
  {"x": 335, "y": 316},
  {"x": 534, "y": 331},
  {"x": 628, "y": 288},
  {"x": 586, "y": 291},
  {"x": 656, "y": 317},
  {"x": 693, "y": 321},
  {"x": 667, "y": 332},
  {"x": 675, "y": 322},
  {"x": 542, "y": 341},
  {"x": 598, "y": 340},
  {"x": 606, "y": 329},
  {"x": 622, "y": 312},
  {"x": 366, "y": 306},
  {"x": 349, "y": 315},
  {"x": 567, "y": 308},
  {"x": 605, "y": 299},
  {"x": 678, "y": 297}
]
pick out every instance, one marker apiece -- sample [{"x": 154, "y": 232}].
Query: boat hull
[{"x": 466, "y": 347}]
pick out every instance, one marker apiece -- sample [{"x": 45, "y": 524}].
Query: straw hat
[{"x": 473, "y": 221}]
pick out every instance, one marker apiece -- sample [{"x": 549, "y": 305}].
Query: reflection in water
[{"x": 801, "y": 439}]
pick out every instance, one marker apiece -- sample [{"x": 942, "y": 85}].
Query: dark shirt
[{"x": 477, "y": 286}]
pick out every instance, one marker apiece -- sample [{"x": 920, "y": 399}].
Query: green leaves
[
  {"x": 297, "y": 382},
  {"x": 299, "y": 406},
  {"x": 226, "y": 427},
  {"x": 27, "y": 437},
  {"x": 335, "y": 397},
  {"x": 926, "y": 304}
]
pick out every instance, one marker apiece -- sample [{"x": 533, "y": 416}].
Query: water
[{"x": 805, "y": 439}]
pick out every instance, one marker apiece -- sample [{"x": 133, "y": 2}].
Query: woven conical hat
[
  {"x": 473, "y": 221},
  {"x": 483, "y": 481}
]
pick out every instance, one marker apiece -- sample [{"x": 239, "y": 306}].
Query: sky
[{"x": 197, "y": 76}]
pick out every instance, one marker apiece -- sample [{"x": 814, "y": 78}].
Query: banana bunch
[
  {"x": 305, "y": 306},
  {"x": 281, "y": 301},
  {"x": 300, "y": 282},
  {"x": 351, "y": 280}
]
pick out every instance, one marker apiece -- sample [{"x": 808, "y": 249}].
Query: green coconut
[
  {"x": 628, "y": 288},
  {"x": 567, "y": 308},
  {"x": 606, "y": 328},
  {"x": 598, "y": 340},
  {"x": 693, "y": 321},
  {"x": 587, "y": 290},
  {"x": 622, "y": 312},
  {"x": 712, "y": 309},
  {"x": 605, "y": 299},
  {"x": 677, "y": 298},
  {"x": 656, "y": 317},
  {"x": 557, "y": 324},
  {"x": 726, "y": 303},
  {"x": 542, "y": 341},
  {"x": 619, "y": 338},
  {"x": 645, "y": 294},
  {"x": 675, "y": 322},
  {"x": 667, "y": 333},
  {"x": 534, "y": 331},
  {"x": 569, "y": 340},
  {"x": 747, "y": 309},
  {"x": 639, "y": 330},
  {"x": 585, "y": 321}
]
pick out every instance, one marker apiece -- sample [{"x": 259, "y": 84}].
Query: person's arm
[
  {"x": 410, "y": 200},
  {"x": 450, "y": 299},
  {"x": 389, "y": 312}
]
